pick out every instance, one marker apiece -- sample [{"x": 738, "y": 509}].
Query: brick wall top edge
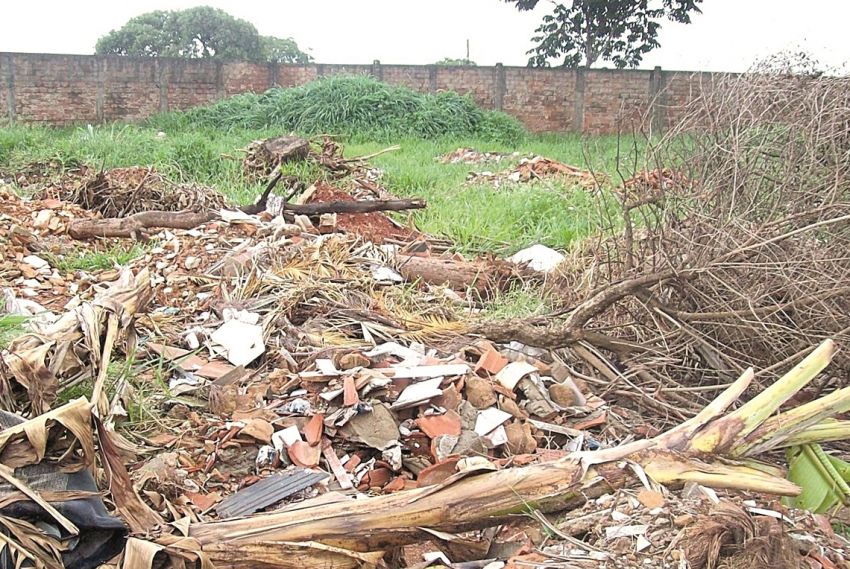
[{"x": 366, "y": 64}]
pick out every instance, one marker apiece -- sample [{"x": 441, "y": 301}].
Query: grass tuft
[
  {"x": 83, "y": 260},
  {"x": 11, "y": 326}
]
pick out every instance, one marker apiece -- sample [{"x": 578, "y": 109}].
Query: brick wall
[{"x": 63, "y": 89}]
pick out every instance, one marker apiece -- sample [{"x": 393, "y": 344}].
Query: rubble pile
[
  {"x": 650, "y": 185},
  {"x": 279, "y": 363},
  {"x": 536, "y": 168},
  {"x": 696, "y": 527},
  {"x": 473, "y": 156},
  {"x": 31, "y": 234}
]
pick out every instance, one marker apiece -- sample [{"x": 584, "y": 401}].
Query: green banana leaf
[{"x": 823, "y": 479}]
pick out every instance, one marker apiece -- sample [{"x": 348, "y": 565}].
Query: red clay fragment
[
  {"x": 313, "y": 429},
  {"x": 600, "y": 419},
  {"x": 204, "y": 501},
  {"x": 350, "y": 397},
  {"x": 437, "y": 473},
  {"x": 449, "y": 423},
  {"x": 395, "y": 485},
  {"x": 342, "y": 476},
  {"x": 304, "y": 454},
  {"x": 352, "y": 463},
  {"x": 259, "y": 429},
  {"x": 491, "y": 361},
  {"x": 379, "y": 477}
]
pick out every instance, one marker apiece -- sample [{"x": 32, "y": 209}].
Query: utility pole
[{"x": 467, "y": 50}]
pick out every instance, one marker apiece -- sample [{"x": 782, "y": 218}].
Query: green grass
[
  {"x": 479, "y": 217},
  {"x": 93, "y": 260},
  {"x": 476, "y": 218},
  {"x": 356, "y": 106},
  {"x": 11, "y": 326},
  {"x": 517, "y": 302}
]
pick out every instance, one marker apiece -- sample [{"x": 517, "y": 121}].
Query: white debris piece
[
  {"x": 36, "y": 262},
  {"x": 613, "y": 532},
  {"x": 384, "y": 274},
  {"x": 410, "y": 357},
  {"x": 285, "y": 438},
  {"x": 417, "y": 393},
  {"x": 498, "y": 437},
  {"x": 539, "y": 258},
  {"x": 242, "y": 342},
  {"x": 489, "y": 420},
  {"x": 512, "y": 373},
  {"x": 184, "y": 384}
]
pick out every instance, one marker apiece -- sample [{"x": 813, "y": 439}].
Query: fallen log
[
  {"x": 714, "y": 448},
  {"x": 482, "y": 276},
  {"x": 360, "y": 206},
  {"x": 135, "y": 225}
]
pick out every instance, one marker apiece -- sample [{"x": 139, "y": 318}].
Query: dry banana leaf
[{"x": 79, "y": 343}]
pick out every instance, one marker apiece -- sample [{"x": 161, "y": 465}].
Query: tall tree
[
  {"x": 197, "y": 32},
  {"x": 283, "y": 50},
  {"x": 583, "y": 32}
]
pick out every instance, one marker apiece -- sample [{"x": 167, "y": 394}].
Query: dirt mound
[{"x": 375, "y": 226}]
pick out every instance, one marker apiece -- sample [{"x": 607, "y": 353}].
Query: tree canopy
[
  {"x": 198, "y": 32},
  {"x": 583, "y": 32}
]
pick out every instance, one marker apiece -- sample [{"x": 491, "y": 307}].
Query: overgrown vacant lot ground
[{"x": 475, "y": 216}]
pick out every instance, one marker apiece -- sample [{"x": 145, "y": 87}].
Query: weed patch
[{"x": 355, "y": 106}]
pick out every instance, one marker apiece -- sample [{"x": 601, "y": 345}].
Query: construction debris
[
  {"x": 536, "y": 168},
  {"x": 306, "y": 387},
  {"x": 473, "y": 156}
]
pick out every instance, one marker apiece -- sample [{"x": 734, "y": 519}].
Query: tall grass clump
[{"x": 356, "y": 106}]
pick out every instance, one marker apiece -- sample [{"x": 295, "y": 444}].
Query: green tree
[
  {"x": 197, "y": 32},
  {"x": 151, "y": 34},
  {"x": 283, "y": 50},
  {"x": 453, "y": 61},
  {"x": 583, "y": 32}
]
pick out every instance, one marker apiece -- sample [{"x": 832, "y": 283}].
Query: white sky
[{"x": 728, "y": 36}]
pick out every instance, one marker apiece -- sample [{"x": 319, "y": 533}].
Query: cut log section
[{"x": 482, "y": 276}]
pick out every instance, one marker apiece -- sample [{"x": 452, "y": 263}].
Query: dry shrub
[
  {"x": 745, "y": 261},
  {"x": 121, "y": 192}
]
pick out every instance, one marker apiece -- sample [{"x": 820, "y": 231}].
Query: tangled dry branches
[{"x": 743, "y": 261}]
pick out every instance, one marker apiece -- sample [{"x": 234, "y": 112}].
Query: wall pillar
[
  {"x": 219, "y": 80},
  {"x": 161, "y": 71},
  {"x": 657, "y": 100},
  {"x": 9, "y": 85},
  {"x": 377, "y": 70},
  {"x": 432, "y": 78},
  {"x": 501, "y": 86},
  {"x": 101, "y": 65},
  {"x": 578, "y": 104}
]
